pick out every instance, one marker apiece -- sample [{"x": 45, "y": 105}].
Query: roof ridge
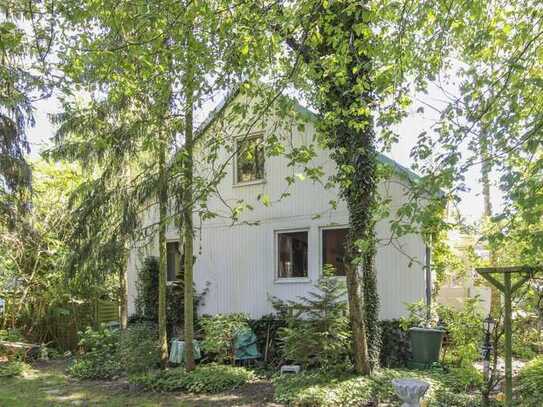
[{"x": 233, "y": 93}]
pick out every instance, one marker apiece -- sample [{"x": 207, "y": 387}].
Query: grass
[{"x": 46, "y": 384}]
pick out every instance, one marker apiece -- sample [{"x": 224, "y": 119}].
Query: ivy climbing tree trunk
[
  {"x": 351, "y": 138},
  {"x": 343, "y": 96},
  {"x": 187, "y": 205},
  {"x": 371, "y": 300},
  {"x": 163, "y": 207}
]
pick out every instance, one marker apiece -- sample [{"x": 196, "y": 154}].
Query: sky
[{"x": 471, "y": 206}]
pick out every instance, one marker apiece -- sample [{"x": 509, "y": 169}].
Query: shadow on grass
[{"x": 46, "y": 384}]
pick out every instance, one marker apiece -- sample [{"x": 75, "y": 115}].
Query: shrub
[
  {"x": 147, "y": 297},
  {"x": 318, "y": 388},
  {"x": 527, "y": 334},
  {"x": 417, "y": 316},
  {"x": 11, "y": 335},
  {"x": 464, "y": 328},
  {"x": 530, "y": 383},
  {"x": 465, "y": 332},
  {"x": 12, "y": 368},
  {"x": 139, "y": 349},
  {"x": 317, "y": 331},
  {"x": 210, "y": 378},
  {"x": 219, "y": 332},
  {"x": 267, "y": 330},
  {"x": 99, "y": 357},
  {"x": 394, "y": 344}
]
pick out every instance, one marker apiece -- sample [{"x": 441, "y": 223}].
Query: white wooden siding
[{"x": 238, "y": 261}]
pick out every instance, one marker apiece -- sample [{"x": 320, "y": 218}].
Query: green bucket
[{"x": 425, "y": 347}]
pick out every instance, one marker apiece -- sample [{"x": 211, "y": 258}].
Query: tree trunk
[
  {"x": 352, "y": 142},
  {"x": 187, "y": 207},
  {"x": 123, "y": 287},
  {"x": 163, "y": 207},
  {"x": 486, "y": 168},
  {"x": 371, "y": 307},
  {"x": 356, "y": 316}
]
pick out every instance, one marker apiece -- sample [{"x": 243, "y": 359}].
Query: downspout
[{"x": 428, "y": 269}]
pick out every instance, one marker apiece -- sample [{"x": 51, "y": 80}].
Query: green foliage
[
  {"x": 317, "y": 331},
  {"x": 46, "y": 301},
  {"x": 465, "y": 332},
  {"x": 417, "y": 316},
  {"x": 268, "y": 342},
  {"x": 99, "y": 358},
  {"x": 139, "y": 349},
  {"x": 394, "y": 344},
  {"x": 219, "y": 333},
  {"x": 11, "y": 335},
  {"x": 530, "y": 383},
  {"x": 12, "y": 368},
  {"x": 204, "y": 379},
  {"x": 527, "y": 340},
  {"x": 147, "y": 297},
  {"x": 22, "y": 79},
  {"x": 464, "y": 328},
  {"x": 315, "y": 388}
]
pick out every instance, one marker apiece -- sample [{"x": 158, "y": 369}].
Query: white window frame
[
  {"x": 321, "y": 245},
  {"x": 235, "y": 161},
  {"x": 290, "y": 280}
]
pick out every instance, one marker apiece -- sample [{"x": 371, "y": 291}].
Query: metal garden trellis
[{"x": 508, "y": 288}]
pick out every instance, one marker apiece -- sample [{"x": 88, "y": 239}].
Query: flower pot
[{"x": 425, "y": 346}]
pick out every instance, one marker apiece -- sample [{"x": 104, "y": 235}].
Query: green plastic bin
[{"x": 425, "y": 347}]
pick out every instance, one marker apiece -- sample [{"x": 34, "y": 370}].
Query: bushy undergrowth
[
  {"x": 317, "y": 332},
  {"x": 464, "y": 328},
  {"x": 530, "y": 384},
  {"x": 99, "y": 358},
  {"x": 11, "y": 335},
  {"x": 210, "y": 378},
  {"x": 219, "y": 333},
  {"x": 139, "y": 349},
  {"x": 12, "y": 368},
  {"x": 394, "y": 344},
  {"x": 321, "y": 389}
]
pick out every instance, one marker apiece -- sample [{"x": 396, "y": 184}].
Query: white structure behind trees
[{"x": 279, "y": 247}]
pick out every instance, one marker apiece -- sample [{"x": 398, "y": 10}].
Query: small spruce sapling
[{"x": 317, "y": 331}]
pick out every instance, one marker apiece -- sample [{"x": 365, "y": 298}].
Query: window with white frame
[
  {"x": 249, "y": 159},
  {"x": 173, "y": 261},
  {"x": 292, "y": 250},
  {"x": 333, "y": 249}
]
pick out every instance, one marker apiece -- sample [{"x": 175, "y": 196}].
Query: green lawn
[{"x": 46, "y": 384}]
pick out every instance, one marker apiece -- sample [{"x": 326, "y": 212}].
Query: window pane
[
  {"x": 173, "y": 260},
  {"x": 250, "y": 160},
  {"x": 292, "y": 254},
  {"x": 333, "y": 249}
]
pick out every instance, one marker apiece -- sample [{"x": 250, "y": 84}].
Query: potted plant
[{"x": 425, "y": 335}]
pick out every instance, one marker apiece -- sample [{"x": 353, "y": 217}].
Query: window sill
[
  {"x": 249, "y": 183},
  {"x": 293, "y": 280}
]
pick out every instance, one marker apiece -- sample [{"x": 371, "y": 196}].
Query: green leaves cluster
[
  {"x": 100, "y": 354},
  {"x": 211, "y": 378},
  {"x": 317, "y": 331},
  {"x": 530, "y": 381},
  {"x": 219, "y": 333}
]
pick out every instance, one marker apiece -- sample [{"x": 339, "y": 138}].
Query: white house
[{"x": 278, "y": 248}]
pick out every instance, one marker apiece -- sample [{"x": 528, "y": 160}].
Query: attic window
[{"x": 250, "y": 160}]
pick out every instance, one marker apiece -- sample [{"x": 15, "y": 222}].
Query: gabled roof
[{"x": 311, "y": 116}]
